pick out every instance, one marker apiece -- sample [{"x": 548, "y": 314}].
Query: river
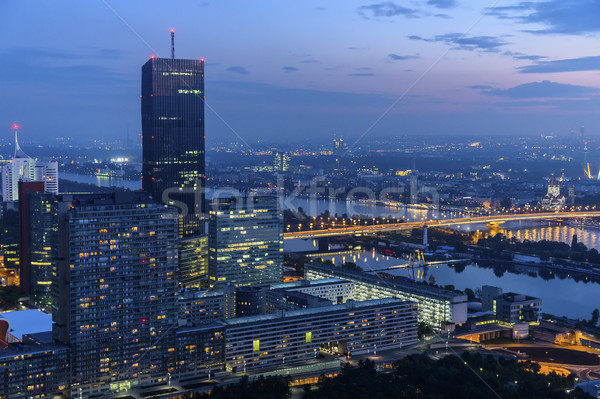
[
  {"x": 561, "y": 297},
  {"x": 566, "y": 296},
  {"x": 103, "y": 181}
]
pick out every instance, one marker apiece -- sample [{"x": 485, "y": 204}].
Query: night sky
[{"x": 281, "y": 70}]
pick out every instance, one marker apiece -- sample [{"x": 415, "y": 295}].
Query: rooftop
[
  {"x": 306, "y": 283},
  {"x": 30, "y": 321},
  {"x": 394, "y": 284},
  {"x": 313, "y": 311}
]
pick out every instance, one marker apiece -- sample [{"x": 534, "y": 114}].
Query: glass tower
[
  {"x": 245, "y": 242},
  {"x": 173, "y": 169}
]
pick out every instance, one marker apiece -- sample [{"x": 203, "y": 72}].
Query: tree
[
  {"x": 423, "y": 329},
  {"x": 470, "y": 294},
  {"x": 506, "y": 203},
  {"x": 595, "y": 316},
  {"x": 574, "y": 242},
  {"x": 421, "y": 377},
  {"x": 271, "y": 387}
]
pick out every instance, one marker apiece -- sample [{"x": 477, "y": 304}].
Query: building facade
[
  {"x": 173, "y": 169},
  {"x": 518, "y": 308},
  {"x": 554, "y": 200},
  {"x": 114, "y": 299},
  {"x": 281, "y": 161},
  {"x": 33, "y": 371},
  {"x": 245, "y": 242},
  {"x": 290, "y": 336},
  {"x": 38, "y": 228},
  {"x": 23, "y": 167},
  {"x": 193, "y": 260},
  {"x": 334, "y": 289},
  {"x": 9, "y": 234},
  {"x": 197, "y": 307},
  {"x": 437, "y": 306}
]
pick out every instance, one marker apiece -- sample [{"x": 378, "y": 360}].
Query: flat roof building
[
  {"x": 437, "y": 306},
  {"x": 291, "y": 336}
]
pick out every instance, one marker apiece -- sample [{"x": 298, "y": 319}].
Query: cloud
[
  {"x": 361, "y": 74},
  {"x": 288, "y": 69},
  {"x": 442, "y": 3},
  {"x": 238, "y": 69},
  {"x": 458, "y": 40},
  {"x": 591, "y": 63},
  {"x": 310, "y": 61},
  {"x": 521, "y": 56},
  {"x": 541, "y": 90},
  {"x": 54, "y": 67},
  {"x": 387, "y": 9},
  {"x": 480, "y": 87},
  {"x": 559, "y": 16},
  {"x": 397, "y": 57}
]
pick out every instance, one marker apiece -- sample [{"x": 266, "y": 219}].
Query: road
[{"x": 582, "y": 371}]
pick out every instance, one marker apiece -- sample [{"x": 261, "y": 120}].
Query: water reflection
[
  {"x": 316, "y": 207},
  {"x": 589, "y": 237},
  {"x": 560, "y": 296}
]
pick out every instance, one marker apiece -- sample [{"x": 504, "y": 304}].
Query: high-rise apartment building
[
  {"x": 114, "y": 291},
  {"x": 173, "y": 170},
  {"x": 245, "y": 241},
  {"x": 22, "y": 167}
]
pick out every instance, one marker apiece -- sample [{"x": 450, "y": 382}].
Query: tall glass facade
[
  {"x": 245, "y": 242},
  {"x": 173, "y": 169},
  {"x": 42, "y": 234}
]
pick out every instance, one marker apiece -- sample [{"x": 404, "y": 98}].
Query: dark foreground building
[
  {"x": 113, "y": 299},
  {"x": 173, "y": 169}
]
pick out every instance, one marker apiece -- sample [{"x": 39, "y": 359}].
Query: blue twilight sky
[{"x": 287, "y": 70}]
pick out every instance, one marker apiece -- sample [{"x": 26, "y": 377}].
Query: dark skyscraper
[{"x": 173, "y": 136}]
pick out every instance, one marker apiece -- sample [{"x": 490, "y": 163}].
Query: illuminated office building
[
  {"x": 437, "y": 306},
  {"x": 245, "y": 242},
  {"x": 281, "y": 161},
  {"x": 114, "y": 299},
  {"x": 173, "y": 169},
  {"x": 38, "y": 227},
  {"x": 193, "y": 260},
  {"x": 9, "y": 234}
]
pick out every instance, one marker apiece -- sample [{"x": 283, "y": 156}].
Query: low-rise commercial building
[
  {"x": 518, "y": 308},
  {"x": 291, "y": 336},
  {"x": 437, "y": 306}
]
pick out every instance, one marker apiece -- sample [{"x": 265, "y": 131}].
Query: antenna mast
[{"x": 173, "y": 44}]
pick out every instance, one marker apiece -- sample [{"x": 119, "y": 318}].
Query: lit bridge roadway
[{"x": 373, "y": 229}]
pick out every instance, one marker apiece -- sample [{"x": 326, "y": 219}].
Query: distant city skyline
[{"x": 307, "y": 69}]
